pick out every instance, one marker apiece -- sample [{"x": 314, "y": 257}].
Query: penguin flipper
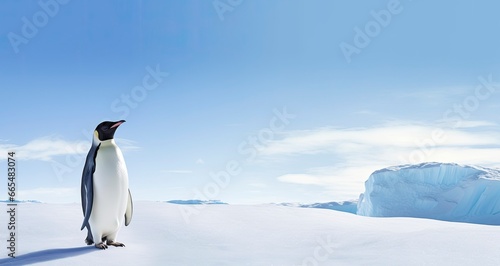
[
  {"x": 130, "y": 209},
  {"x": 87, "y": 187}
]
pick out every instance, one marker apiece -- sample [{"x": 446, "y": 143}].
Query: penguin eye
[{"x": 105, "y": 128}]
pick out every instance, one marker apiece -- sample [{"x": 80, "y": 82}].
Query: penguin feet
[
  {"x": 101, "y": 246},
  {"x": 89, "y": 241},
  {"x": 116, "y": 244}
]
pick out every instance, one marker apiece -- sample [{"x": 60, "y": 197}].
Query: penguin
[{"x": 106, "y": 198}]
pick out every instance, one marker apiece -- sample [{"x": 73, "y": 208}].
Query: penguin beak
[{"x": 117, "y": 124}]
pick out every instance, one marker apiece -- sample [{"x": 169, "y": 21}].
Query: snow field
[{"x": 251, "y": 235}]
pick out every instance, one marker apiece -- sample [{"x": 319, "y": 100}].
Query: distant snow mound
[
  {"x": 20, "y": 201},
  {"x": 343, "y": 206},
  {"x": 443, "y": 191},
  {"x": 196, "y": 202}
]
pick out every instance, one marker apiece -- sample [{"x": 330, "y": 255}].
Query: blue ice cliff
[{"x": 442, "y": 191}]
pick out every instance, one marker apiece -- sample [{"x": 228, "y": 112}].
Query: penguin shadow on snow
[{"x": 47, "y": 255}]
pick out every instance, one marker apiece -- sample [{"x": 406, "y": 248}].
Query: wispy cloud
[
  {"x": 178, "y": 171},
  {"x": 366, "y": 112},
  {"x": 127, "y": 144},
  {"x": 434, "y": 93},
  {"x": 47, "y": 148},
  {"x": 357, "y": 152},
  {"x": 354, "y": 140},
  {"x": 471, "y": 124}
]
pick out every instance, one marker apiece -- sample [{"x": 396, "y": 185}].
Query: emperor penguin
[{"x": 106, "y": 198}]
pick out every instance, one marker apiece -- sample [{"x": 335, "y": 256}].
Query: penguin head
[{"x": 106, "y": 130}]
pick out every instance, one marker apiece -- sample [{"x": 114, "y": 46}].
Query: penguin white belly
[{"x": 110, "y": 183}]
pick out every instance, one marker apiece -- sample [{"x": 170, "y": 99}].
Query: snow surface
[
  {"x": 249, "y": 235},
  {"x": 442, "y": 191}
]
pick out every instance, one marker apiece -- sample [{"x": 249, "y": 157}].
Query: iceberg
[{"x": 443, "y": 191}]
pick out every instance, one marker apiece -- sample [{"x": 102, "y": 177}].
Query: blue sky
[{"x": 422, "y": 86}]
